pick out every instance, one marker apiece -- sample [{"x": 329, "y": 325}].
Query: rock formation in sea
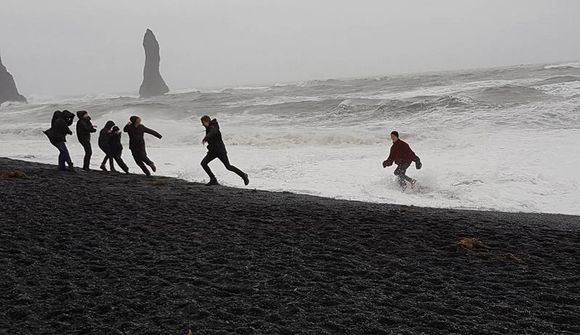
[
  {"x": 153, "y": 84},
  {"x": 8, "y": 90}
]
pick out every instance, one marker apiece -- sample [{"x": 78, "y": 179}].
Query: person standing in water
[
  {"x": 57, "y": 136},
  {"x": 84, "y": 130},
  {"x": 136, "y": 133},
  {"x": 105, "y": 145},
  {"x": 217, "y": 149},
  {"x": 402, "y": 155}
]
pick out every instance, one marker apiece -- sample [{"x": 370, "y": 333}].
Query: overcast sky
[{"x": 56, "y": 47}]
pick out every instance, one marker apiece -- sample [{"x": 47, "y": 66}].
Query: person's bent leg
[
  {"x": 138, "y": 160},
  {"x": 400, "y": 172},
  {"x": 224, "y": 158},
  {"x": 205, "y": 165},
  {"x": 147, "y": 161},
  {"x": 104, "y": 163},
  {"x": 66, "y": 155},
  {"x": 121, "y": 163},
  {"x": 111, "y": 163},
  {"x": 403, "y": 175},
  {"x": 61, "y": 160}
]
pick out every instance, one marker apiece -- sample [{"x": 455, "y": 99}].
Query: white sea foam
[{"x": 494, "y": 139}]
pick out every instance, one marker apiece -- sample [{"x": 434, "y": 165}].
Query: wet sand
[{"x": 102, "y": 253}]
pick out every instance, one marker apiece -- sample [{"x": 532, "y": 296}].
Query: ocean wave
[
  {"x": 24, "y": 131},
  {"x": 424, "y": 104},
  {"x": 564, "y": 66},
  {"x": 309, "y": 137},
  {"x": 509, "y": 94},
  {"x": 558, "y": 80}
]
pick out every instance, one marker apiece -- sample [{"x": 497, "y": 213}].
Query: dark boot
[{"x": 212, "y": 182}]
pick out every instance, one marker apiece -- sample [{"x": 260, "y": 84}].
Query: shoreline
[
  {"x": 96, "y": 253},
  {"x": 232, "y": 184}
]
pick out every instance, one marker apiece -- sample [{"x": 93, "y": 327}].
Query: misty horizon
[{"x": 67, "y": 48}]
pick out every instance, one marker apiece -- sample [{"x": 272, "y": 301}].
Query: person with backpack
[{"x": 59, "y": 129}]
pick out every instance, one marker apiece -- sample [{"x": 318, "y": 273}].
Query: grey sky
[{"x": 94, "y": 46}]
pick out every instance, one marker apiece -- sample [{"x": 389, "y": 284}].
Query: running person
[
  {"x": 217, "y": 149},
  {"x": 402, "y": 155},
  {"x": 136, "y": 133}
]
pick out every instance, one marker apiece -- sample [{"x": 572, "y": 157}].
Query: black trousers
[
  {"x": 222, "y": 156},
  {"x": 88, "y": 153},
  {"x": 119, "y": 160},
  {"x": 400, "y": 172},
  {"x": 140, "y": 157},
  {"x": 108, "y": 158}
]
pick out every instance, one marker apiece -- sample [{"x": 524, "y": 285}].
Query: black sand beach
[{"x": 98, "y": 253}]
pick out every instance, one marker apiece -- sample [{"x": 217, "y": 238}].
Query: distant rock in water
[
  {"x": 153, "y": 84},
  {"x": 8, "y": 90}
]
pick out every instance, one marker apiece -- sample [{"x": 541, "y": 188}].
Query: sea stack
[
  {"x": 8, "y": 90},
  {"x": 153, "y": 84}
]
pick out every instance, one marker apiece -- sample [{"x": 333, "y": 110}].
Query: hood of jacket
[
  {"x": 68, "y": 117},
  {"x": 214, "y": 124},
  {"x": 81, "y": 114},
  {"x": 109, "y": 124}
]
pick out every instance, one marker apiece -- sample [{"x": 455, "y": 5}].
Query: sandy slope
[{"x": 97, "y": 253}]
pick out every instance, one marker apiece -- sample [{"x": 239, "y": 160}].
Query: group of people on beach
[{"x": 110, "y": 143}]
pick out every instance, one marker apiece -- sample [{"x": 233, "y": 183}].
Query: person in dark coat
[
  {"x": 104, "y": 144},
  {"x": 136, "y": 133},
  {"x": 84, "y": 130},
  {"x": 217, "y": 149},
  {"x": 402, "y": 155},
  {"x": 57, "y": 136},
  {"x": 116, "y": 148}
]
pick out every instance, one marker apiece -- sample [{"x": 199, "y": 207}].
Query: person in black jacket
[
  {"x": 104, "y": 144},
  {"x": 84, "y": 130},
  {"x": 217, "y": 149},
  {"x": 136, "y": 133},
  {"x": 57, "y": 136},
  {"x": 116, "y": 148}
]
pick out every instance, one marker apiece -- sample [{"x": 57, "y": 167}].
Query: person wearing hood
[
  {"x": 104, "y": 144},
  {"x": 57, "y": 136},
  {"x": 402, "y": 155},
  {"x": 84, "y": 130},
  {"x": 116, "y": 148},
  {"x": 136, "y": 132},
  {"x": 217, "y": 149}
]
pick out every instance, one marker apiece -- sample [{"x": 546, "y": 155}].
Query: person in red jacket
[{"x": 402, "y": 155}]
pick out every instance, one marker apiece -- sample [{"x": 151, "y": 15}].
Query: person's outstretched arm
[
  {"x": 390, "y": 159},
  {"x": 152, "y": 132}
]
